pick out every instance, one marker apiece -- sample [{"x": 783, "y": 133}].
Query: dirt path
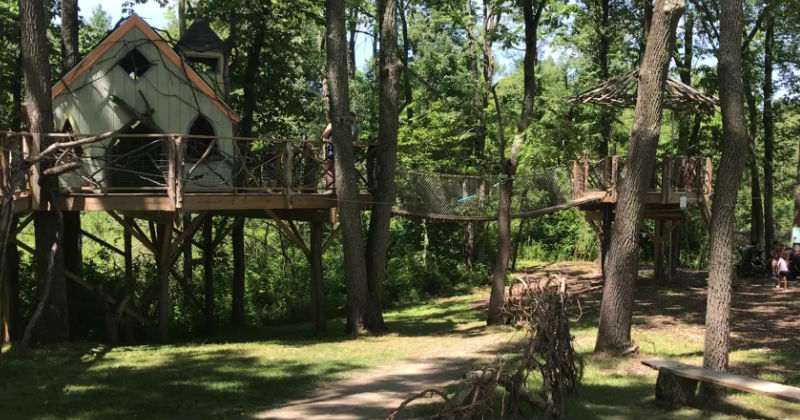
[{"x": 374, "y": 393}]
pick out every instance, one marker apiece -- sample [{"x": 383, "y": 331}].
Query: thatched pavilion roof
[{"x": 620, "y": 92}]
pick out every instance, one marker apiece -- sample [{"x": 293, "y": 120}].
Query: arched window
[
  {"x": 196, "y": 147},
  {"x": 78, "y": 150}
]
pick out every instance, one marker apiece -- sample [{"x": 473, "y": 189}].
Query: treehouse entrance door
[{"x": 137, "y": 162}]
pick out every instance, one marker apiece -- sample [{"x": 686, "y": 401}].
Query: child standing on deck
[{"x": 783, "y": 270}]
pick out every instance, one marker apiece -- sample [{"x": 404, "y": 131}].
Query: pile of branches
[{"x": 542, "y": 309}]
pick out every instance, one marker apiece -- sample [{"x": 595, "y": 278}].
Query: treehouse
[{"x": 134, "y": 84}]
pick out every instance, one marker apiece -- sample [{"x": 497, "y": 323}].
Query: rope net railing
[{"x": 177, "y": 165}]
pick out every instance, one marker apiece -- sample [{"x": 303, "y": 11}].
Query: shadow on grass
[{"x": 185, "y": 384}]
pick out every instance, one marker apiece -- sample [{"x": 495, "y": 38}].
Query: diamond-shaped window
[{"x": 135, "y": 64}]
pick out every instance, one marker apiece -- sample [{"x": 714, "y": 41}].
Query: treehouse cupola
[{"x": 205, "y": 52}]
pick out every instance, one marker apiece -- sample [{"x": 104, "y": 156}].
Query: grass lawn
[
  {"x": 238, "y": 376},
  {"x": 231, "y": 379}
]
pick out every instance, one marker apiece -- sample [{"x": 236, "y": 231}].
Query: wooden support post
[
  {"x": 32, "y": 146},
  {"x": 130, "y": 282},
  {"x": 666, "y": 181},
  {"x": 288, "y": 163},
  {"x": 163, "y": 282},
  {"x": 188, "y": 269},
  {"x": 605, "y": 243},
  {"x": 208, "y": 273},
  {"x": 12, "y": 304},
  {"x": 237, "y": 289},
  {"x": 615, "y": 169},
  {"x": 658, "y": 250},
  {"x": 318, "y": 311},
  {"x": 73, "y": 262}
]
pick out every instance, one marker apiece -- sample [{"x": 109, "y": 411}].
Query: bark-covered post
[
  {"x": 318, "y": 311},
  {"x": 729, "y": 178},
  {"x": 163, "y": 266},
  {"x": 237, "y": 291},
  {"x": 208, "y": 273},
  {"x": 616, "y": 310},
  {"x": 130, "y": 281},
  {"x": 346, "y": 184}
]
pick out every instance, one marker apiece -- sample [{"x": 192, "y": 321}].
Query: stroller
[{"x": 752, "y": 263}]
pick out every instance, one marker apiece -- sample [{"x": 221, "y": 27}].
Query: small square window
[{"x": 135, "y": 64}]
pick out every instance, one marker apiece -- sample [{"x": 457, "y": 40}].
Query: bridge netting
[{"x": 475, "y": 198}]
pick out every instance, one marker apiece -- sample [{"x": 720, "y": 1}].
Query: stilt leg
[
  {"x": 208, "y": 273},
  {"x": 318, "y": 312}
]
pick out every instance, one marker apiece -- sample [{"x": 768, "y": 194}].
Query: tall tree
[
  {"x": 345, "y": 173},
  {"x": 532, "y": 13},
  {"x": 386, "y": 191},
  {"x": 53, "y": 323},
  {"x": 70, "y": 44},
  {"x": 726, "y": 187},
  {"x": 614, "y": 334},
  {"x": 769, "y": 125}
]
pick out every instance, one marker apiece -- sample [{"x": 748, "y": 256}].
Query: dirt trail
[{"x": 374, "y": 393}]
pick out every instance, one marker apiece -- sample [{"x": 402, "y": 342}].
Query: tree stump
[{"x": 674, "y": 391}]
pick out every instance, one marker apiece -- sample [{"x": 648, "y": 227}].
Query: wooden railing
[
  {"x": 178, "y": 164},
  {"x": 672, "y": 177}
]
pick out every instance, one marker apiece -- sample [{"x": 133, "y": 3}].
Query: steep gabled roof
[
  {"x": 200, "y": 37},
  {"x": 134, "y": 21}
]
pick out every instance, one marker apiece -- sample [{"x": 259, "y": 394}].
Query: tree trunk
[
  {"x": 409, "y": 92},
  {"x": 318, "y": 312},
  {"x": 69, "y": 35},
  {"x": 208, "y": 273},
  {"x": 756, "y": 208},
  {"x": 386, "y": 191},
  {"x": 14, "y": 318},
  {"x": 346, "y": 185},
  {"x": 352, "y": 25},
  {"x": 237, "y": 290},
  {"x": 73, "y": 255},
  {"x": 532, "y": 12},
  {"x": 614, "y": 334},
  {"x": 729, "y": 175},
  {"x": 769, "y": 142},
  {"x": 181, "y": 18},
  {"x": 49, "y": 227}
]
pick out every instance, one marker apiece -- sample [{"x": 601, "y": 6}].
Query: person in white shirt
[{"x": 783, "y": 270}]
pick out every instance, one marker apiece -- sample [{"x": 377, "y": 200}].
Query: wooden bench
[{"x": 677, "y": 383}]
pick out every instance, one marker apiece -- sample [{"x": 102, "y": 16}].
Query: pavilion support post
[
  {"x": 318, "y": 311},
  {"x": 605, "y": 240},
  {"x": 130, "y": 283},
  {"x": 73, "y": 262},
  {"x": 208, "y": 273},
  {"x": 163, "y": 282},
  {"x": 237, "y": 301}
]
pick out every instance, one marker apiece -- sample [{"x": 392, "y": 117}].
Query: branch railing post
[
  {"x": 180, "y": 169},
  {"x": 171, "y": 170},
  {"x": 288, "y": 160},
  {"x": 32, "y": 146}
]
